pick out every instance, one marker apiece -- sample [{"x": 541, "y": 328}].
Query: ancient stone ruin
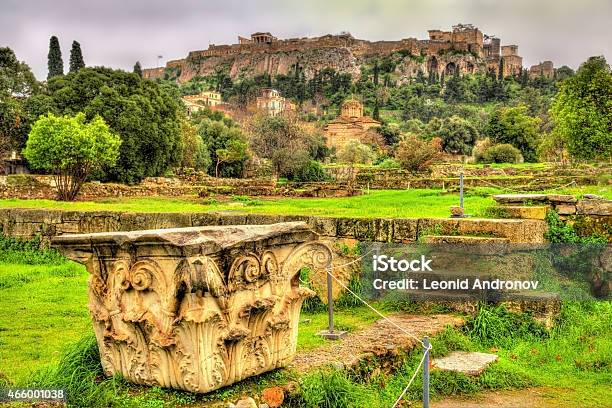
[{"x": 196, "y": 308}]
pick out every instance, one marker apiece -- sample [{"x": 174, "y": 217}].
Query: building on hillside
[
  {"x": 544, "y": 69},
  {"x": 273, "y": 103},
  {"x": 14, "y": 164},
  {"x": 511, "y": 62},
  {"x": 350, "y": 125},
  {"x": 206, "y": 99}
]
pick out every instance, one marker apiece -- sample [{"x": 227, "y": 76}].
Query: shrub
[
  {"x": 389, "y": 164},
  {"x": 312, "y": 170},
  {"x": 502, "y": 153},
  {"x": 480, "y": 148},
  {"x": 415, "y": 154}
]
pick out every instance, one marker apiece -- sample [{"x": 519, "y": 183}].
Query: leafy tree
[
  {"x": 226, "y": 139},
  {"x": 415, "y": 154},
  {"x": 196, "y": 154},
  {"x": 457, "y": 134},
  {"x": 282, "y": 140},
  {"x": 17, "y": 83},
  {"x": 141, "y": 112},
  {"x": 512, "y": 125},
  {"x": 55, "y": 64},
  {"x": 71, "y": 149},
  {"x": 355, "y": 152},
  {"x": 76, "y": 57},
  {"x": 137, "y": 69},
  {"x": 582, "y": 111},
  {"x": 235, "y": 150}
]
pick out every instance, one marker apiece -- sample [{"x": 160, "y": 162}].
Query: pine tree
[
  {"x": 76, "y": 57},
  {"x": 138, "y": 69},
  {"x": 55, "y": 63}
]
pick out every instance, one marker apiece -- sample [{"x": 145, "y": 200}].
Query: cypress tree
[
  {"x": 138, "y": 69},
  {"x": 55, "y": 63},
  {"x": 76, "y": 57},
  {"x": 376, "y": 113}
]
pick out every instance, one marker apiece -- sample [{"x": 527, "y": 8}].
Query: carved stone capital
[{"x": 196, "y": 308}]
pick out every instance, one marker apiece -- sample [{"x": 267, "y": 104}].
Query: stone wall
[{"x": 29, "y": 222}]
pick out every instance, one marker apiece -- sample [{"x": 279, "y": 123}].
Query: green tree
[
  {"x": 17, "y": 84},
  {"x": 512, "y": 125},
  {"x": 282, "y": 140},
  {"x": 195, "y": 151},
  {"x": 137, "y": 69},
  {"x": 224, "y": 138},
  {"x": 415, "y": 154},
  {"x": 141, "y": 112},
  {"x": 76, "y": 57},
  {"x": 71, "y": 149},
  {"x": 55, "y": 64},
  {"x": 582, "y": 111},
  {"x": 235, "y": 150},
  {"x": 458, "y": 135}
]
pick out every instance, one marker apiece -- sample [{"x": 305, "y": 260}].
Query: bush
[
  {"x": 502, "y": 153},
  {"x": 389, "y": 164},
  {"x": 480, "y": 148},
  {"x": 312, "y": 170},
  {"x": 415, "y": 154}
]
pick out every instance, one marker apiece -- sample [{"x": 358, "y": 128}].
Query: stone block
[
  {"x": 468, "y": 363},
  {"x": 562, "y": 198},
  {"x": 405, "y": 230},
  {"x": 196, "y": 308},
  {"x": 565, "y": 209},
  {"x": 537, "y": 212},
  {"x": 519, "y": 198},
  {"x": 594, "y": 207}
]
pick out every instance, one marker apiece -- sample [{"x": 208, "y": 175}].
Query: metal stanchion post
[
  {"x": 330, "y": 333},
  {"x": 426, "y": 374}
]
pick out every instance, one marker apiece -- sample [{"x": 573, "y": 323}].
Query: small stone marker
[{"x": 468, "y": 363}]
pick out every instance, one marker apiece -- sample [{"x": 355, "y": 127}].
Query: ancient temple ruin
[{"x": 196, "y": 308}]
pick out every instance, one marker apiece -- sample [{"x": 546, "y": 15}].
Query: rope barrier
[
  {"x": 414, "y": 337},
  {"x": 397, "y": 401}
]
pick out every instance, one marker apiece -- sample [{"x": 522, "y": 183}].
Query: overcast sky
[{"x": 117, "y": 33}]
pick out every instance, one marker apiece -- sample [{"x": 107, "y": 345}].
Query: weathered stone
[
  {"x": 196, "y": 308},
  {"x": 537, "y": 212},
  {"x": 594, "y": 207},
  {"x": 519, "y": 198},
  {"x": 246, "y": 402},
  {"x": 459, "y": 239},
  {"x": 456, "y": 211},
  {"x": 561, "y": 198},
  {"x": 464, "y": 362},
  {"x": 565, "y": 209}
]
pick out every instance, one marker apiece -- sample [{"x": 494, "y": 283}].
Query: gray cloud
[{"x": 117, "y": 33}]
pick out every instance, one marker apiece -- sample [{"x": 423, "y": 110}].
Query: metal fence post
[
  {"x": 461, "y": 189},
  {"x": 426, "y": 374},
  {"x": 330, "y": 302}
]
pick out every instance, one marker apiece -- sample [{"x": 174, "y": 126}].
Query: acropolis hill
[{"x": 465, "y": 48}]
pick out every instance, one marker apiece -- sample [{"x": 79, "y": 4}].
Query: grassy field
[
  {"x": 44, "y": 309},
  {"x": 414, "y": 203},
  {"x": 46, "y": 341}
]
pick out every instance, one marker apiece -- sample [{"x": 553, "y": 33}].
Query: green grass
[
  {"x": 414, "y": 203},
  {"x": 43, "y": 308},
  {"x": 572, "y": 361},
  {"x": 46, "y": 340}
]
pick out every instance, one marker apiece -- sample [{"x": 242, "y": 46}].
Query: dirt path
[
  {"x": 528, "y": 398},
  {"x": 380, "y": 339}
]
